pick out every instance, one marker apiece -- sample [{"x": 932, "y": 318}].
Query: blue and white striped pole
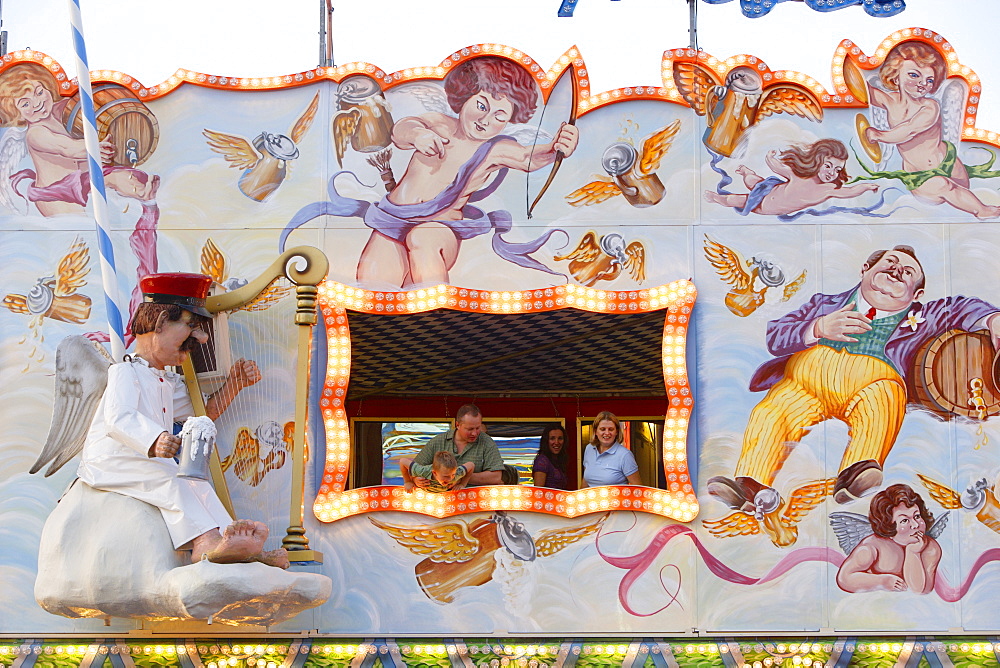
[{"x": 98, "y": 195}]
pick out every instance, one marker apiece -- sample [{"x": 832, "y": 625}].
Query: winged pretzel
[
  {"x": 444, "y": 542},
  {"x": 802, "y": 500}
]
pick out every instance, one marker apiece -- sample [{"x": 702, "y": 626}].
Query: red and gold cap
[{"x": 185, "y": 290}]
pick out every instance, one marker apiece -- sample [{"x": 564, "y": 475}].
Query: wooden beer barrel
[
  {"x": 123, "y": 116},
  {"x": 955, "y": 374}
]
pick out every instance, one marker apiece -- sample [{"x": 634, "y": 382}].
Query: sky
[{"x": 621, "y": 41}]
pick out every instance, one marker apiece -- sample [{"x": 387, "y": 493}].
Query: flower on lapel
[{"x": 913, "y": 318}]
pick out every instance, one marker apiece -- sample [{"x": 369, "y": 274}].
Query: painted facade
[{"x": 494, "y": 184}]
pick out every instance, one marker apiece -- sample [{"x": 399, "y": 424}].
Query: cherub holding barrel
[{"x": 32, "y": 109}]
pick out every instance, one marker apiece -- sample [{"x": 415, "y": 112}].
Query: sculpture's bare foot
[
  {"x": 277, "y": 558},
  {"x": 242, "y": 541}
]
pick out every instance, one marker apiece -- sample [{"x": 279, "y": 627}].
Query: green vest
[{"x": 872, "y": 342}]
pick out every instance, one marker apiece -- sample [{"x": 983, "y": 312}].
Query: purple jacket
[{"x": 786, "y": 335}]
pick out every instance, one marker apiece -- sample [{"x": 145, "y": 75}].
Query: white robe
[{"x": 139, "y": 404}]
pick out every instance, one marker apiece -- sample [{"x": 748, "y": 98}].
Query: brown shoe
[
  {"x": 856, "y": 481},
  {"x": 781, "y": 534}
]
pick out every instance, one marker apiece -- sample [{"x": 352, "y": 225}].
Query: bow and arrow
[{"x": 557, "y": 163}]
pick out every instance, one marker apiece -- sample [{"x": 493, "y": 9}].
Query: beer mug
[
  {"x": 197, "y": 442},
  {"x": 361, "y": 96},
  {"x": 641, "y": 190}
]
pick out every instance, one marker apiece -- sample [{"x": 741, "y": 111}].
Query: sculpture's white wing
[
  {"x": 81, "y": 376},
  {"x": 13, "y": 148},
  {"x": 953, "y": 96},
  {"x": 433, "y": 98},
  {"x": 850, "y": 528}
]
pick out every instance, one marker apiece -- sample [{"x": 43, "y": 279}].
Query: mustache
[{"x": 189, "y": 344}]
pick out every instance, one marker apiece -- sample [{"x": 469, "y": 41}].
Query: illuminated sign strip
[{"x": 678, "y": 501}]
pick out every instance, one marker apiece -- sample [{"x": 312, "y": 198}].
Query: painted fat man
[
  {"x": 130, "y": 446},
  {"x": 842, "y": 356}
]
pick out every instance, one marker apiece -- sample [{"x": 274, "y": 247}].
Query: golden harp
[{"x": 269, "y": 320}]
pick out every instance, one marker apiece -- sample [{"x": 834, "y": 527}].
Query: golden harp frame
[{"x": 305, "y": 267}]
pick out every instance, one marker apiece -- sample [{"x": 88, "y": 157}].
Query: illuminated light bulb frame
[
  {"x": 956, "y": 69},
  {"x": 588, "y": 100},
  {"x": 387, "y": 80},
  {"x": 677, "y": 502},
  {"x": 841, "y": 97}
]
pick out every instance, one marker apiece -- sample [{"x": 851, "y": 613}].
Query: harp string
[{"x": 254, "y": 434}]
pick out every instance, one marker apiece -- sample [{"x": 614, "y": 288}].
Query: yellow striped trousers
[{"x": 819, "y": 384}]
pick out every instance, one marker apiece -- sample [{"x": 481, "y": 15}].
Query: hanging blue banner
[{"x": 758, "y": 8}]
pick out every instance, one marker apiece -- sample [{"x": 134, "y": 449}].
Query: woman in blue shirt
[{"x": 606, "y": 461}]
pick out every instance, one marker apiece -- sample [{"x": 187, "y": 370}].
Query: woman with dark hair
[
  {"x": 549, "y": 468},
  {"x": 606, "y": 461}
]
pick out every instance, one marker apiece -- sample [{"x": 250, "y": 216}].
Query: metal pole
[
  {"x": 329, "y": 33},
  {"x": 322, "y": 33},
  {"x": 693, "y": 22},
  {"x": 98, "y": 192},
  {"x": 3, "y": 34}
]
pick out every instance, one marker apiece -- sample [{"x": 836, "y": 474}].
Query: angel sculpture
[
  {"x": 893, "y": 548},
  {"x": 749, "y": 279},
  {"x": 604, "y": 259},
  {"x": 629, "y": 174},
  {"x": 265, "y": 160},
  {"x": 458, "y": 554},
  {"x": 215, "y": 264},
  {"x": 256, "y": 454},
  {"x": 924, "y": 130},
  {"x": 731, "y": 109},
  {"x": 747, "y": 519},
  {"x": 979, "y": 497},
  {"x": 56, "y": 296},
  {"x": 81, "y": 376}
]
